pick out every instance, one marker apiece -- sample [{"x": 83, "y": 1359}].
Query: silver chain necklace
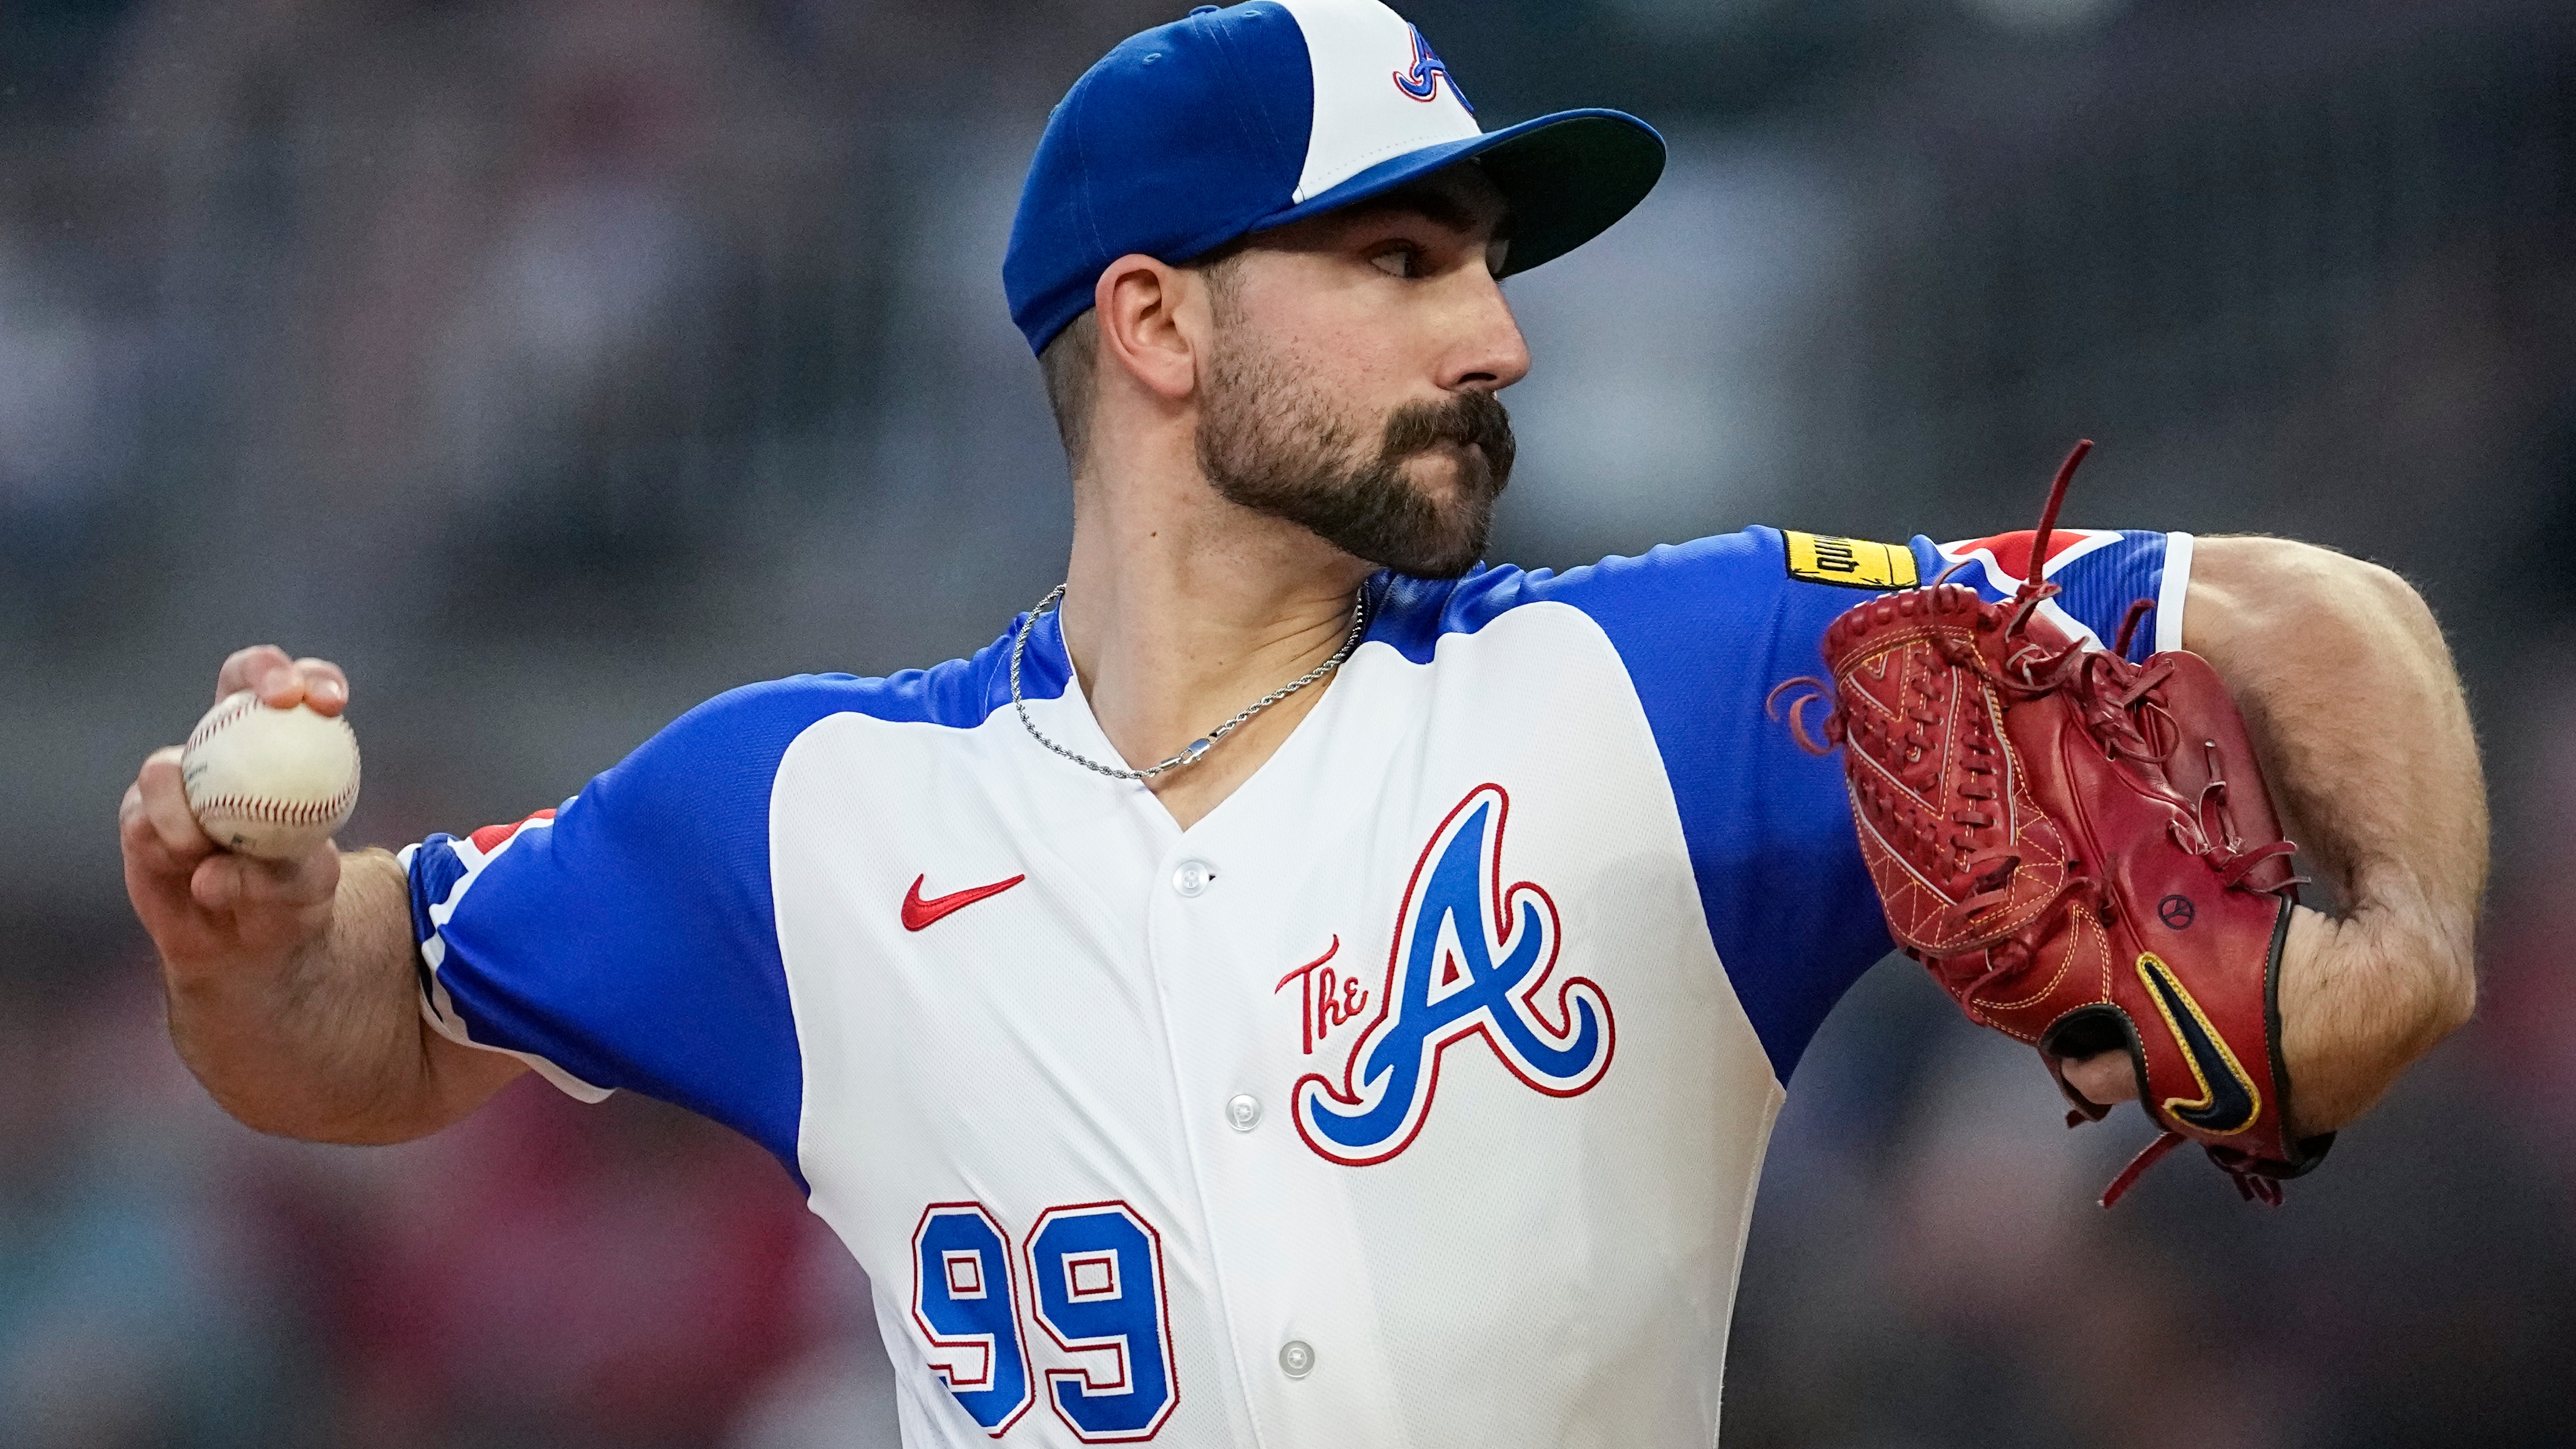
[{"x": 1192, "y": 752}]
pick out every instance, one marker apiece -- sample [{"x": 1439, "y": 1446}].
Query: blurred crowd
[
  {"x": 543, "y": 1274},
  {"x": 554, "y": 364}
]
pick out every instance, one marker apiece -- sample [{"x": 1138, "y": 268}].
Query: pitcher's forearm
[
  {"x": 2352, "y": 698},
  {"x": 329, "y": 1045},
  {"x": 2366, "y": 994}
]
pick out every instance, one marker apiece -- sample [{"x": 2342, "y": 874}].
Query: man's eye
[{"x": 1402, "y": 261}]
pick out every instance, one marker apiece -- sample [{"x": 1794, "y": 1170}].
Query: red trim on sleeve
[
  {"x": 490, "y": 837},
  {"x": 2012, "y": 550}
]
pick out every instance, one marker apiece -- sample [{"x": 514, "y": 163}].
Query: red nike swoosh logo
[{"x": 918, "y": 913}]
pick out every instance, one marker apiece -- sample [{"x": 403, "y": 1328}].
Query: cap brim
[{"x": 1568, "y": 177}]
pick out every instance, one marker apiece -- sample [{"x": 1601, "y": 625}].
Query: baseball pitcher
[{"x": 1299, "y": 985}]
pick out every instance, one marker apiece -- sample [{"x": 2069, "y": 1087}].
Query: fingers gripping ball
[{"x": 269, "y": 782}]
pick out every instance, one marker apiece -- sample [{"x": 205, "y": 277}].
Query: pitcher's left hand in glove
[{"x": 2081, "y": 850}]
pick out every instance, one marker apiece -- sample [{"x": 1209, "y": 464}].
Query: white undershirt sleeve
[{"x": 2170, "y": 596}]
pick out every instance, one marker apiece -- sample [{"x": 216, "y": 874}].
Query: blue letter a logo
[{"x": 1470, "y": 958}]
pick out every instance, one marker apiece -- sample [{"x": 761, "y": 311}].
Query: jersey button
[
  {"x": 1193, "y": 877},
  {"x": 1243, "y": 1111},
  {"x": 1296, "y": 1359}
]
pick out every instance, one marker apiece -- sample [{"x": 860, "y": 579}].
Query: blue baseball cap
[{"x": 1239, "y": 119}]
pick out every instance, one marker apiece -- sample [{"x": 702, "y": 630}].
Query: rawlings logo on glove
[{"x": 2080, "y": 849}]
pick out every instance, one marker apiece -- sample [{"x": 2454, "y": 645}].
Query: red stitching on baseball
[
  {"x": 275, "y": 812},
  {"x": 215, "y": 724}
]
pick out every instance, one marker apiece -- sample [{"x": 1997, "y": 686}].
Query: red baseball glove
[{"x": 2080, "y": 849}]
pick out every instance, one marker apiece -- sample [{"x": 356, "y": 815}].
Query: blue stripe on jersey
[
  {"x": 434, "y": 872},
  {"x": 634, "y": 943},
  {"x": 2100, "y": 587},
  {"x": 1705, "y": 630}
]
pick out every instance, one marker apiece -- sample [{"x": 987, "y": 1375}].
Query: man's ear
[{"x": 1139, "y": 302}]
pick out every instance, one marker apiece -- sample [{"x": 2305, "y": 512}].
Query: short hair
[
  {"x": 1071, "y": 363},
  {"x": 1071, "y": 366}
]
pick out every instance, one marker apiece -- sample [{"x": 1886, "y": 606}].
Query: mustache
[{"x": 1471, "y": 419}]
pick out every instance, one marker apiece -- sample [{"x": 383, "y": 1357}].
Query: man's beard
[{"x": 1276, "y": 448}]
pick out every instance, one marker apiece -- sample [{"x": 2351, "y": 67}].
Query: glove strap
[{"x": 2139, "y": 1164}]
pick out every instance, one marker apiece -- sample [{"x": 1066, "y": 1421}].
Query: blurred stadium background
[{"x": 557, "y": 364}]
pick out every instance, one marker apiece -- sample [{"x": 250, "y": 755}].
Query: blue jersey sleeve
[
  {"x": 626, "y": 939},
  {"x": 1707, "y": 629}
]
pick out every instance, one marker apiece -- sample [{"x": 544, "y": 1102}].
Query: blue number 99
[
  {"x": 1096, "y": 1275},
  {"x": 964, "y": 1303}
]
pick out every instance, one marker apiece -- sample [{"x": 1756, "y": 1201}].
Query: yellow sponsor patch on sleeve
[{"x": 1854, "y": 563}]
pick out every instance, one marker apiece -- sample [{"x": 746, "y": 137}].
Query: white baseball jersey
[{"x": 1415, "y": 1096}]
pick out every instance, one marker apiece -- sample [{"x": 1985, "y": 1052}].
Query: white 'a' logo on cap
[{"x": 1379, "y": 91}]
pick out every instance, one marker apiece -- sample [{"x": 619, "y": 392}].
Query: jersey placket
[
  {"x": 1232, "y": 908},
  {"x": 1232, "y": 902}
]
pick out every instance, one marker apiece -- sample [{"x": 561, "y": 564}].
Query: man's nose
[{"x": 1490, "y": 354}]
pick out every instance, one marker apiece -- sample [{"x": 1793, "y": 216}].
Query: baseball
[{"x": 269, "y": 782}]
